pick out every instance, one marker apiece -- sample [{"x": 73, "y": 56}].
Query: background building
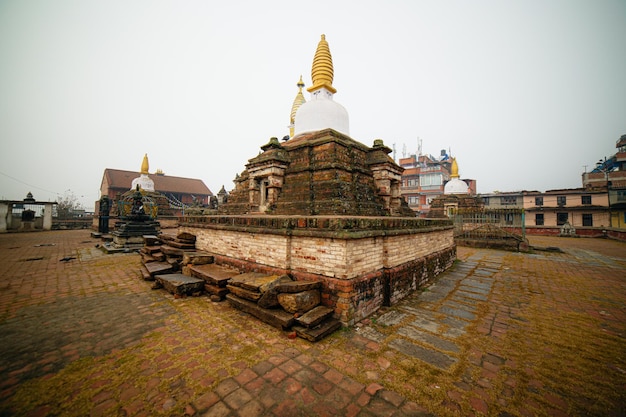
[
  {"x": 179, "y": 191},
  {"x": 424, "y": 179}
]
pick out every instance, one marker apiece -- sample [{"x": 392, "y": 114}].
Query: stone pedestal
[{"x": 129, "y": 234}]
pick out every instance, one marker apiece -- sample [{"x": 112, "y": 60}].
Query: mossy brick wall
[
  {"x": 265, "y": 249},
  {"x": 359, "y": 274},
  {"x": 405, "y": 248},
  {"x": 401, "y": 280}
]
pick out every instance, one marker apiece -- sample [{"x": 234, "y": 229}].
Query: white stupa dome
[
  {"x": 321, "y": 112},
  {"x": 455, "y": 185}
]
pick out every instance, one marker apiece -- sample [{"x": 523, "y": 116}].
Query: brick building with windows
[
  {"x": 424, "y": 179},
  {"x": 583, "y": 209}
]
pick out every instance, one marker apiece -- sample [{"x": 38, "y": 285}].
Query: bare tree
[{"x": 67, "y": 205}]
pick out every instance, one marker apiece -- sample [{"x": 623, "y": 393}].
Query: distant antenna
[
  {"x": 419, "y": 146},
  {"x": 404, "y": 150},
  {"x": 394, "y": 152}
]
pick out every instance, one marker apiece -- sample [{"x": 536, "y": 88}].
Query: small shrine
[
  {"x": 456, "y": 197},
  {"x": 25, "y": 215}
]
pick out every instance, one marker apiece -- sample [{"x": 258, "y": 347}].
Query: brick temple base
[{"x": 363, "y": 262}]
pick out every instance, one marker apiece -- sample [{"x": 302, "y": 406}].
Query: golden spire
[
  {"x": 297, "y": 102},
  {"x": 322, "y": 71},
  {"x": 144, "y": 164},
  {"x": 454, "y": 169}
]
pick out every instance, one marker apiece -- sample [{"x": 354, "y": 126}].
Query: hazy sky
[{"x": 524, "y": 93}]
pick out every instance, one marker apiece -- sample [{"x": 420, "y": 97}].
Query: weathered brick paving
[{"x": 499, "y": 334}]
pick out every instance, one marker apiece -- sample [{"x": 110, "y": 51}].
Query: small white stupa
[
  {"x": 144, "y": 182},
  {"x": 321, "y": 112},
  {"x": 455, "y": 185}
]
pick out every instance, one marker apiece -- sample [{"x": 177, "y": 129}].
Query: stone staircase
[{"x": 174, "y": 264}]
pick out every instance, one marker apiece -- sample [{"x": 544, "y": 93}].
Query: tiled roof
[{"x": 117, "y": 178}]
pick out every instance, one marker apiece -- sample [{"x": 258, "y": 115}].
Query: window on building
[
  {"x": 585, "y": 199},
  {"x": 429, "y": 180},
  {"x": 508, "y": 218},
  {"x": 587, "y": 219},
  {"x": 486, "y": 201},
  {"x": 621, "y": 195},
  {"x": 561, "y": 200},
  {"x": 508, "y": 200},
  {"x": 539, "y": 201},
  {"x": 539, "y": 219},
  {"x": 561, "y": 219}
]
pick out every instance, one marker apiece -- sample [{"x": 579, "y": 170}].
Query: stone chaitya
[
  {"x": 137, "y": 213},
  {"x": 320, "y": 211}
]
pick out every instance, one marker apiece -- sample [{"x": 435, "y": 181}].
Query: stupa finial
[
  {"x": 144, "y": 164},
  {"x": 322, "y": 72},
  {"x": 297, "y": 102},
  {"x": 454, "y": 169}
]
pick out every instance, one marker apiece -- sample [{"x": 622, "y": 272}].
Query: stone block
[
  {"x": 182, "y": 245},
  {"x": 197, "y": 258},
  {"x": 277, "y": 317},
  {"x": 269, "y": 299},
  {"x": 319, "y": 332},
  {"x": 155, "y": 268},
  {"x": 151, "y": 240},
  {"x": 179, "y": 284},
  {"x": 215, "y": 290},
  {"x": 244, "y": 293},
  {"x": 298, "y": 286},
  {"x": 315, "y": 316},
  {"x": 300, "y": 302},
  {"x": 213, "y": 274},
  {"x": 186, "y": 237},
  {"x": 256, "y": 281},
  {"x": 172, "y": 251},
  {"x": 151, "y": 249},
  {"x": 145, "y": 274}
]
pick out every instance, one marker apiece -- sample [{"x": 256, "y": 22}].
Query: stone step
[
  {"x": 197, "y": 258},
  {"x": 151, "y": 249},
  {"x": 181, "y": 245},
  {"x": 298, "y": 286},
  {"x": 179, "y": 284},
  {"x": 213, "y": 274},
  {"x": 155, "y": 268},
  {"x": 275, "y": 317},
  {"x": 147, "y": 258},
  {"x": 256, "y": 281},
  {"x": 151, "y": 240},
  {"x": 299, "y": 302},
  {"x": 172, "y": 251},
  {"x": 315, "y": 316},
  {"x": 319, "y": 332},
  {"x": 244, "y": 293},
  {"x": 145, "y": 274},
  {"x": 215, "y": 290}
]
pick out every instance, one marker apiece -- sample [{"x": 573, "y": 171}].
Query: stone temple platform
[{"x": 363, "y": 263}]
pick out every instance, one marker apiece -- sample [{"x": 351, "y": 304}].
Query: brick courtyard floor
[{"x": 499, "y": 334}]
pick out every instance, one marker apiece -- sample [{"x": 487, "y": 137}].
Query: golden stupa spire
[
  {"x": 322, "y": 71},
  {"x": 297, "y": 102},
  {"x": 144, "y": 164},
  {"x": 454, "y": 169}
]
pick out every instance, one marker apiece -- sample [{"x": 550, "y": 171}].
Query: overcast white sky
[{"x": 524, "y": 93}]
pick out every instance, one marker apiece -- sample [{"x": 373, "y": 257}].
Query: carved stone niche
[
  {"x": 266, "y": 175},
  {"x": 387, "y": 177}
]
